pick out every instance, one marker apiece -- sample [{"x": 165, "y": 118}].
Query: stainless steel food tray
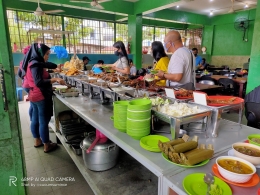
[
  {"x": 63, "y": 76},
  {"x": 133, "y": 93},
  {"x": 94, "y": 91},
  {"x": 70, "y": 94},
  {"x": 176, "y": 122},
  {"x": 218, "y": 111}
]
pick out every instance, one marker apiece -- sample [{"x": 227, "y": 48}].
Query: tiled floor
[{"x": 56, "y": 164}]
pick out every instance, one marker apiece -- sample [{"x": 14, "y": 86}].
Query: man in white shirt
[{"x": 181, "y": 66}]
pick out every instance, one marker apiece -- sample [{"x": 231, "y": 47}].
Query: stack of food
[
  {"x": 184, "y": 152},
  {"x": 73, "y": 66}
]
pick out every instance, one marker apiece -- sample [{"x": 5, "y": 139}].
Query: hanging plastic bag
[{"x": 60, "y": 51}]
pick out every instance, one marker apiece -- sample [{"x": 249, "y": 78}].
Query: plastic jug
[{"x": 100, "y": 137}]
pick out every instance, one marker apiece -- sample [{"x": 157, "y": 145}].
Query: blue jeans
[
  {"x": 30, "y": 108},
  {"x": 40, "y": 121}
]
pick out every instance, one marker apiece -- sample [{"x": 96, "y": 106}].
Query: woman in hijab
[{"x": 40, "y": 94}]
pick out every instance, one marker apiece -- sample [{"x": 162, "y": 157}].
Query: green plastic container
[
  {"x": 138, "y": 115},
  {"x": 253, "y": 136},
  {"x": 140, "y": 105}
]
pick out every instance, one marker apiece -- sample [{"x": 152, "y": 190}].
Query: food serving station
[{"x": 94, "y": 104}]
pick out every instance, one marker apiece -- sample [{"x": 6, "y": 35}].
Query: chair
[
  {"x": 229, "y": 86},
  {"x": 207, "y": 82},
  {"x": 252, "y": 113},
  {"x": 19, "y": 89}
]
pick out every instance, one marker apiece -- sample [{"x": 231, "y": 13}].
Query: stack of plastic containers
[
  {"x": 120, "y": 115},
  {"x": 138, "y": 118}
]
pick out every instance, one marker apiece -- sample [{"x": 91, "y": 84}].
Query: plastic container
[
  {"x": 140, "y": 105},
  {"x": 138, "y": 115}
]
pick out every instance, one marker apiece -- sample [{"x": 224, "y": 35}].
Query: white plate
[
  {"x": 60, "y": 86},
  {"x": 231, "y": 153}
]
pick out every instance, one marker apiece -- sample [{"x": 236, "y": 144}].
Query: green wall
[
  {"x": 108, "y": 58},
  {"x": 226, "y": 40}
]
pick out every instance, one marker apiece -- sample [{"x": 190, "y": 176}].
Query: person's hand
[
  {"x": 148, "y": 76},
  {"x": 160, "y": 73},
  {"x": 60, "y": 81},
  {"x": 113, "y": 67}
]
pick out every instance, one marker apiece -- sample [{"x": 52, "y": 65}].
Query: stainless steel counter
[{"x": 99, "y": 116}]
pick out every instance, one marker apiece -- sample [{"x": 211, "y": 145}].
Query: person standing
[
  {"x": 162, "y": 60},
  {"x": 122, "y": 64},
  {"x": 197, "y": 57},
  {"x": 182, "y": 63},
  {"x": 85, "y": 60},
  {"x": 132, "y": 68},
  {"x": 40, "y": 94}
]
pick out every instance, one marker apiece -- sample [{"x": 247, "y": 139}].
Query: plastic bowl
[
  {"x": 253, "y": 136},
  {"x": 138, "y": 115},
  {"x": 140, "y": 104},
  {"x": 235, "y": 177},
  {"x": 252, "y": 159}
]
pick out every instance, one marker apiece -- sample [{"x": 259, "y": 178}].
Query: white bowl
[
  {"x": 235, "y": 177},
  {"x": 254, "y": 160}
]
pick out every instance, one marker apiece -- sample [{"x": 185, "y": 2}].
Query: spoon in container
[{"x": 209, "y": 179}]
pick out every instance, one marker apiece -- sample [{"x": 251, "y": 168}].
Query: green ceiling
[{"x": 118, "y": 10}]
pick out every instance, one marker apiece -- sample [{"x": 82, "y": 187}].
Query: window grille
[
  {"x": 122, "y": 33},
  {"x": 107, "y": 37}
]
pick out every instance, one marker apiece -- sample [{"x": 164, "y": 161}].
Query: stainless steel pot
[{"x": 102, "y": 157}]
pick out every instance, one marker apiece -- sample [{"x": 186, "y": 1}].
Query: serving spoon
[{"x": 209, "y": 179}]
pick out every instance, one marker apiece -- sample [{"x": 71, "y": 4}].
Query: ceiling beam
[{"x": 150, "y": 6}]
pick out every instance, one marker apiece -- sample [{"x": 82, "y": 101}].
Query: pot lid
[{"x": 99, "y": 145}]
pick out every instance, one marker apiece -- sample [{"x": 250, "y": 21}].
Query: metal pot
[{"x": 102, "y": 157}]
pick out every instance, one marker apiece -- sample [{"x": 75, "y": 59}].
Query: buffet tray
[
  {"x": 70, "y": 94},
  {"x": 94, "y": 91},
  {"x": 187, "y": 118},
  {"x": 218, "y": 111},
  {"x": 176, "y": 122}
]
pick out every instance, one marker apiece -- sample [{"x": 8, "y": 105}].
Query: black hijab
[{"x": 34, "y": 55}]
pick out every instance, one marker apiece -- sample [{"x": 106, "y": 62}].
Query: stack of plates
[
  {"x": 138, "y": 118},
  {"x": 120, "y": 115},
  {"x": 150, "y": 142}
]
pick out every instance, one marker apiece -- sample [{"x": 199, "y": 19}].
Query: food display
[
  {"x": 72, "y": 72},
  {"x": 235, "y": 166},
  {"x": 186, "y": 153},
  {"x": 75, "y": 62},
  {"x": 221, "y": 101},
  {"x": 257, "y": 140},
  {"x": 178, "y": 109},
  {"x": 218, "y": 100},
  {"x": 158, "y": 101},
  {"x": 248, "y": 151},
  {"x": 235, "y": 169},
  {"x": 184, "y": 94}
]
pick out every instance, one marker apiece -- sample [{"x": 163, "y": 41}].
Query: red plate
[
  {"x": 252, "y": 182},
  {"x": 238, "y": 100}
]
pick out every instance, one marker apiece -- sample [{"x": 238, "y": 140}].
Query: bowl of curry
[
  {"x": 235, "y": 169},
  {"x": 246, "y": 151}
]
